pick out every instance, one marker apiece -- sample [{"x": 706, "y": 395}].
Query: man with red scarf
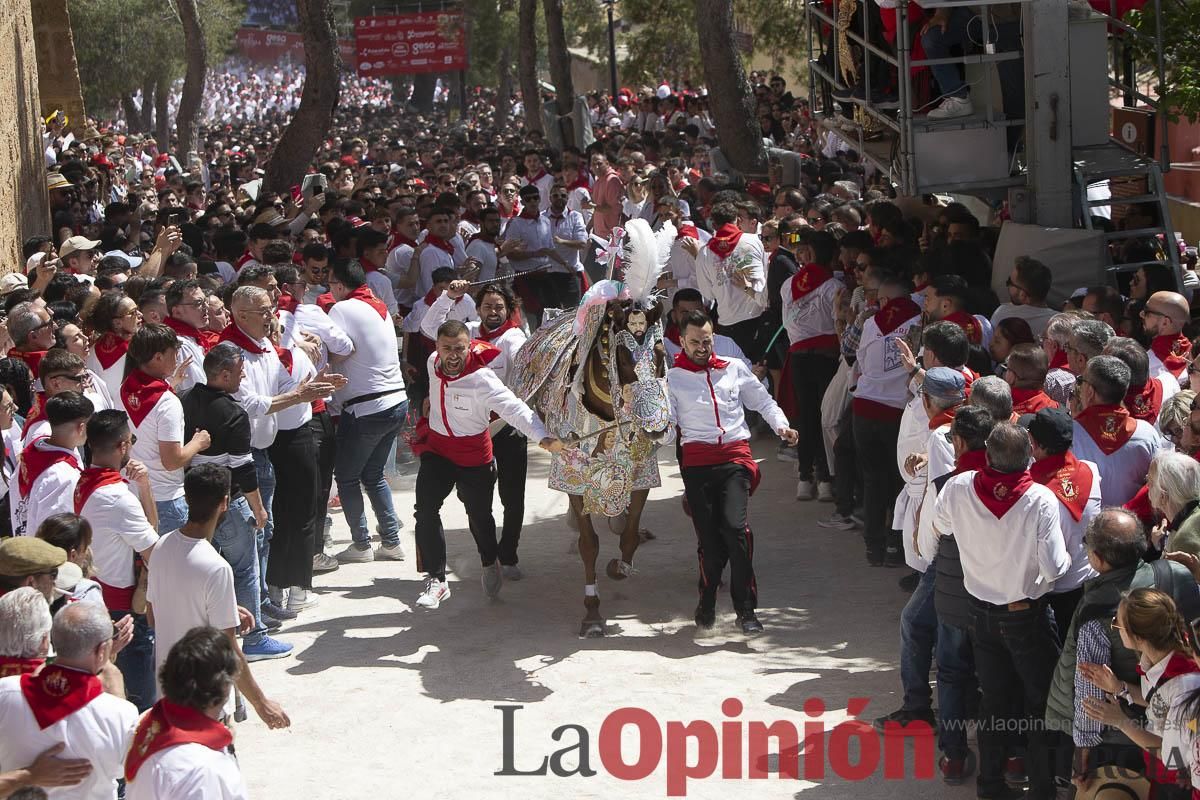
[
  {"x": 808, "y": 316},
  {"x": 1027, "y": 366},
  {"x": 65, "y": 704},
  {"x": 187, "y": 315},
  {"x": 1000, "y": 515},
  {"x": 946, "y": 299},
  {"x": 32, "y": 332},
  {"x": 731, "y": 271},
  {"x": 1163, "y": 319},
  {"x": 708, "y": 398},
  {"x": 25, "y": 620},
  {"x": 1107, "y": 434},
  {"x": 371, "y": 247},
  {"x": 877, "y": 409},
  {"x": 1146, "y": 394},
  {"x": 441, "y": 248},
  {"x": 49, "y": 470},
  {"x": 455, "y": 448},
  {"x": 537, "y": 176}
]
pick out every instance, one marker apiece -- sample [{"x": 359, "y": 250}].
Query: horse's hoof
[
  {"x": 619, "y": 570},
  {"x": 646, "y": 535},
  {"x": 592, "y": 629}
]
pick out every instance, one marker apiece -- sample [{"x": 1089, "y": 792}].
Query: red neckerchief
[
  {"x": 538, "y": 177},
  {"x": 512, "y": 323},
  {"x": 968, "y": 323},
  {"x": 56, "y": 693},
  {"x": 233, "y": 333},
  {"x": 672, "y": 334},
  {"x": 32, "y": 358},
  {"x": 440, "y": 244},
  {"x": 970, "y": 461},
  {"x": 687, "y": 231},
  {"x": 1157, "y": 771},
  {"x": 367, "y": 296},
  {"x": 206, "y": 339},
  {"x": 479, "y": 355},
  {"x": 1060, "y": 359},
  {"x": 399, "y": 239},
  {"x": 37, "y": 412},
  {"x": 808, "y": 279},
  {"x": 285, "y": 358},
  {"x": 1145, "y": 401},
  {"x": 705, "y": 454},
  {"x": 943, "y": 417},
  {"x": 1069, "y": 478},
  {"x": 513, "y": 212},
  {"x": 35, "y": 461},
  {"x": 368, "y": 265},
  {"x": 897, "y": 311},
  {"x": 246, "y": 258},
  {"x": 920, "y": 287},
  {"x": 1178, "y": 664},
  {"x": 581, "y": 182},
  {"x": 11, "y": 665},
  {"x": 1172, "y": 351},
  {"x": 683, "y": 362},
  {"x": 325, "y": 301},
  {"x": 725, "y": 240},
  {"x": 92, "y": 479},
  {"x": 1030, "y": 401},
  {"x": 140, "y": 393},
  {"x": 110, "y": 349},
  {"x": 998, "y": 491},
  {"x": 287, "y": 303},
  {"x": 167, "y": 725},
  {"x": 1109, "y": 426}
]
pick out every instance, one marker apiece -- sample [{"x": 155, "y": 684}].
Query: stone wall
[
  {"x": 58, "y": 72},
  {"x": 24, "y": 208}
]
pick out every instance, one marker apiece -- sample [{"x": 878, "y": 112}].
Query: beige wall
[
  {"x": 58, "y": 73},
  {"x": 23, "y": 206}
]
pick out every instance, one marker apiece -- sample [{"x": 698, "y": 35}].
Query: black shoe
[
  {"x": 906, "y": 716},
  {"x": 1002, "y": 792},
  {"x": 749, "y": 623},
  {"x": 893, "y": 557},
  {"x": 875, "y": 557},
  {"x": 270, "y": 623},
  {"x": 909, "y": 582},
  {"x": 705, "y": 617}
]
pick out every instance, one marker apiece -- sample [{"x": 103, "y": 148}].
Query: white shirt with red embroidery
[
  {"x": 715, "y": 282},
  {"x": 1123, "y": 471},
  {"x": 164, "y": 423},
  {"x": 444, "y": 308},
  {"x": 709, "y": 405},
  {"x": 52, "y": 492},
  {"x": 812, "y": 314},
  {"x": 463, "y": 406}
]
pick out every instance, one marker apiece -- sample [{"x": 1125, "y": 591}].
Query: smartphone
[
  {"x": 374, "y": 170},
  {"x": 173, "y": 216},
  {"x": 313, "y": 185}
]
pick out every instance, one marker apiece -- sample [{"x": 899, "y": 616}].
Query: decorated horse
[{"x": 596, "y": 377}]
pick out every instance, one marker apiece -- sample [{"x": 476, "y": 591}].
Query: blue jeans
[
  {"x": 266, "y": 490},
  {"x": 171, "y": 514},
  {"x": 363, "y": 444},
  {"x": 238, "y": 542},
  {"x": 918, "y": 635},
  {"x": 955, "y": 685},
  {"x": 136, "y": 662},
  {"x": 937, "y": 45}
]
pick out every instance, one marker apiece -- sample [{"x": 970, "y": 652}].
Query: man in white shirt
[
  {"x": 731, "y": 271},
  {"x": 440, "y": 248},
  {"x": 374, "y": 406},
  {"x": 999, "y": 516},
  {"x": 1163, "y": 319},
  {"x": 481, "y": 248},
  {"x": 537, "y": 177},
  {"x": 1107, "y": 435},
  {"x": 684, "y": 302},
  {"x": 570, "y": 237},
  {"x": 122, "y": 522},
  {"x": 1028, "y": 285},
  {"x": 455, "y": 449},
  {"x": 371, "y": 248},
  {"x": 49, "y": 469},
  {"x": 66, "y": 704},
  {"x": 530, "y": 244},
  {"x": 187, "y": 315},
  {"x": 157, "y": 418},
  {"x": 708, "y": 396}
]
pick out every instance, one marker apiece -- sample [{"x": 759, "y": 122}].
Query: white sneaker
[
  {"x": 356, "y": 555},
  {"x": 389, "y": 552},
  {"x": 511, "y": 572},
  {"x": 300, "y": 599},
  {"x": 805, "y": 490},
  {"x": 953, "y": 107},
  {"x": 435, "y": 592},
  {"x": 837, "y": 522},
  {"x": 492, "y": 579},
  {"x": 825, "y": 492}
]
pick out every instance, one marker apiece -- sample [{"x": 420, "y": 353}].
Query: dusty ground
[{"x": 386, "y": 698}]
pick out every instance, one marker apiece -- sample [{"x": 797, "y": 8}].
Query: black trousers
[
  {"x": 719, "y": 497},
  {"x": 746, "y": 334},
  {"x": 294, "y": 507},
  {"x": 436, "y": 477},
  {"x": 811, "y": 373},
  {"x": 845, "y": 466},
  {"x": 321, "y": 426},
  {"x": 875, "y": 446},
  {"x": 511, "y": 450},
  {"x": 1063, "y": 605},
  {"x": 1015, "y": 655}
]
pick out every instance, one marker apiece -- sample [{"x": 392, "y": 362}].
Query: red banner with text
[
  {"x": 266, "y": 47},
  {"x": 404, "y": 44}
]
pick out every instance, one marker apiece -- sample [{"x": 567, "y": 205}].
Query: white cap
[{"x": 663, "y": 92}]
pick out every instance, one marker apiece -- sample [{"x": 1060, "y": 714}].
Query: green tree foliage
[
  {"x": 119, "y": 43},
  {"x": 1181, "y": 53}
]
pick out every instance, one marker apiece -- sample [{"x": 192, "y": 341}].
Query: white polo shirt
[
  {"x": 188, "y": 772},
  {"x": 119, "y": 530},
  {"x": 374, "y": 366},
  {"x": 164, "y": 423}
]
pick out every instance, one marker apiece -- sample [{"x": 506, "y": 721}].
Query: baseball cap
[
  {"x": 1052, "y": 429},
  {"x": 11, "y": 282},
  {"x": 945, "y": 384},
  {"x": 133, "y": 261},
  {"x": 76, "y": 243}
]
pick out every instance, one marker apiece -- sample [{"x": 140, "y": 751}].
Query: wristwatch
[{"x": 1124, "y": 693}]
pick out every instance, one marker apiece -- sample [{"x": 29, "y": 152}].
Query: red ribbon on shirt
[
  {"x": 35, "y": 461},
  {"x": 705, "y": 454},
  {"x": 1069, "y": 478},
  {"x": 683, "y": 362},
  {"x": 897, "y": 311},
  {"x": 725, "y": 240},
  {"x": 36, "y": 413},
  {"x": 968, "y": 323},
  {"x": 1172, "y": 351},
  {"x": 1145, "y": 401},
  {"x": 206, "y": 339},
  {"x": 1031, "y": 401},
  {"x": 233, "y": 333},
  {"x": 168, "y": 725},
  {"x": 140, "y": 393},
  {"x": 808, "y": 279},
  {"x": 998, "y": 491},
  {"x": 56, "y": 693},
  {"x": 367, "y": 296},
  {"x": 92, "y": 479},
  {"x": 439, "y": 243},
  {"x": 110, "y": 349},
  {"x": 1109, "y": 426},
  {"x": 32, "y": 358},
  {"x": 11, "y": 665}
]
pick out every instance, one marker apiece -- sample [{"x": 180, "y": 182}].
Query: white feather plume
[{"x": 644, "y": 259}]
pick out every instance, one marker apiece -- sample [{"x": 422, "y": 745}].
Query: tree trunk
[
  {"x": 309, "y": 126},
  {"x": 162, "y": 114},
  {"x": 133, "y": 117},
  {"x": 560, "y": 67},
  {"x": 731, "y": 103},
  {"x": 195, "y": 52},
  {"x": 424, "y": 85},
  {"x": 504, "y": 90},
  {"x": 531, "y": 96},
  {"x": 148, "y": 103}
]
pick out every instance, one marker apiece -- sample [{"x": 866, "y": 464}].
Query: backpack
[{"x": 1177, "y": 581}]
